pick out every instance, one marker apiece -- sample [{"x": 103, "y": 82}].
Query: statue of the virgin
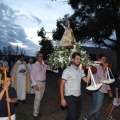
[{"x": 68, "y": 38}]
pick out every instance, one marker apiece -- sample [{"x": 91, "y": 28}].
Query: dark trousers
[{"x": 74, "y": 105}]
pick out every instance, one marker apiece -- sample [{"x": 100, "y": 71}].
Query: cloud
[
  {"x": 37, "y": 19},
  {"x": 12, "y": 33}
]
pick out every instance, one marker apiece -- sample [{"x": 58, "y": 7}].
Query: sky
[{"x": 21, "y": 19}]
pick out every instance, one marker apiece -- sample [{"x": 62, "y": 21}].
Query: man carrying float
[{"x": 98, "y": 95}]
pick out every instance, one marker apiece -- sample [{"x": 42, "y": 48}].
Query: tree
[
  {"x": 42, "y": 33},
  {"x": 57, "y": 34},
  {"x": 45, "y": 43},
  {"x": 17, "y": 51},
  {"x": 97, "y": 20},
  {"x": 4, "y": 50},
  {"x": 1, "y": 52},
  {"x": 9, "y": 51}
]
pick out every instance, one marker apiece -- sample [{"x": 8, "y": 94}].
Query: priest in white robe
[{"x": 19, "y": 78}]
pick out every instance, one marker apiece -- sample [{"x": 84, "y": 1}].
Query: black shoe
[
  {"x": 35, "y": 118},
  {"x": 39, "y": 114},
  {"x": 23, "y": 101}
]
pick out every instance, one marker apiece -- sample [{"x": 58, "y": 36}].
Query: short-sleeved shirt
[
  {"x": 3, "y": 103},
  {"x": 5, "y": 63},
  {"x": 73, "y": 80},
  {"x": 117, "y": 85},
  {"x": 98, "y": 79}
]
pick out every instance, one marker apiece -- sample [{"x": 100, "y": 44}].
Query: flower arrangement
[{"x": 61, "y": 57}]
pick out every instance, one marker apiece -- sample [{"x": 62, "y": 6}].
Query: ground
[{"x": 48, "y": 109}]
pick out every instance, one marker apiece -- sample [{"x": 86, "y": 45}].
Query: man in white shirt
[{"x": 70, "y": 88}]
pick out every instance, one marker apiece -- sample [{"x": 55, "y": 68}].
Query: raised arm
[{"x": 87, "y": 78}]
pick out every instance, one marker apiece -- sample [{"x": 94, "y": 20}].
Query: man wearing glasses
[{"x": 38, "y": 78}]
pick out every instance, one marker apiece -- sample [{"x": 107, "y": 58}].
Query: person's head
[
  {"x": 7, "y": 82},
  {"x": 102, "y": 58},
  {"x": 76, "y": 59},
  {"x": 15, "y": 58},
  {"x": 39, "y": 57},
  {"x": 22, "y": 57},
  {"x": 30, "y": 60},
  {"x": 4, "y": 58},
  {"x": 67, "y": 23}
]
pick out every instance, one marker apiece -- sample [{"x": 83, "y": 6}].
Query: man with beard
[{"x": 70, "y": 87}]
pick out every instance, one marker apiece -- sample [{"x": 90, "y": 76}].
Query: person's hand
[
  {"x": 110, "y": 94},
  {"x": 63, "y": 102},
  {"x": 36, "y": 87},
  {"x": 22, "y": 71},
  {"x": 88, "y": 66},
  {"x": 5, "y": 87},
  {"x": 117, "y": 100},
  {"x": 8, "y": 100},
  {"x": 105, "y": 65}
]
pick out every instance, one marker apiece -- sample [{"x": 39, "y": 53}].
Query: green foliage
[
  {"x": 61, "y": 57},
  {"x": 42, "y": 33},
  {"x": 46, "y": 48},
  {"x": 58, "y": 32},
  {"x": 46, "y": 45},
  {"x": 97, "y": 20}
]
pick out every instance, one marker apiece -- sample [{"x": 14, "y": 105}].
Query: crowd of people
[{"x": 31, "y": 78}]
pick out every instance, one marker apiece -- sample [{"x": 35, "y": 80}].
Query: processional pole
[{"x": 7, "y": 95}]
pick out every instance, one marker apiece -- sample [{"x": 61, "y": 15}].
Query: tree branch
[
  {"x": 109, "y": 46},
  {"x": 112, "y": 40}
]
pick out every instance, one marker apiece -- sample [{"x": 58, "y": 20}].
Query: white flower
[
  {"x": 74, "y": 49},
  {"x": 82, "y": 59},
  {"x": 62, "y": 56},
  {"x": 61, "y": 59},
  {"x": 83, "y": 52},
  {"x": 60, "y": 52}
]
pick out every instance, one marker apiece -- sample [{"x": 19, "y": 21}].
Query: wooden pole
[{"x": 7, "y": 95}]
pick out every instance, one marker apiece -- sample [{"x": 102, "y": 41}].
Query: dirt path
[{"x": 24, "y": 111}]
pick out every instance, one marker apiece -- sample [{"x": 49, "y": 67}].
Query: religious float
[{"x": 61, "y": 57}]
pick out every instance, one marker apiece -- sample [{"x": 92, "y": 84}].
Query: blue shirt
[
  {"x": 117, "y": 85},
  {"x": 3, "y": 103}
]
